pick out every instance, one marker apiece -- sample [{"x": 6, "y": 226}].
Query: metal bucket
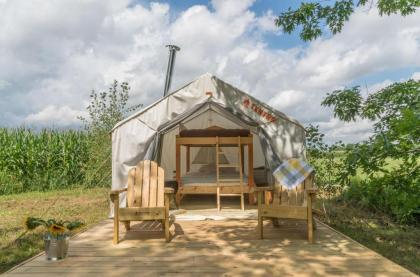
[{"x": 56, "y": 249}]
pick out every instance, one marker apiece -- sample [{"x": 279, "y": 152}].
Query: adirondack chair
[
  {"x": 147, "y": 198},
  {"x": 288, "y": 204}
]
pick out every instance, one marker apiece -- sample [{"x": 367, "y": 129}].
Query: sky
[{"x": 53, "y": 53}]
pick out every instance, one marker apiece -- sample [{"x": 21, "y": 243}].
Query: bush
[
  {"x": 394, "y": 111},
  {"x": 395, "y": 194}
]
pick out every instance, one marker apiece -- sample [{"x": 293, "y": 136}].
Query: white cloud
[
  {"x": 336, "y": 130},
  {"x": 367, "y": 90},
  {"x": 266, "y": 23},
  {"x": 288, "y": 99},
  {"x": 52, "y": 61},
  {"x": 231, "y": 8},
  {"x": 52, "y": 115}
]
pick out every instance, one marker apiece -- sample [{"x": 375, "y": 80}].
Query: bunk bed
[{"x": 220, "y": 178}]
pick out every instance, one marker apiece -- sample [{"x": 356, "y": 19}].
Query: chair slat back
[
  {"x": 146, "y": 185},
  {"x": 293, "y": 197}
]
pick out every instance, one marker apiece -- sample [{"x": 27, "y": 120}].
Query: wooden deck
[{"x": 213, "y": 248}]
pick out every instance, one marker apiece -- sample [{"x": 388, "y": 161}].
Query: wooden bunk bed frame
[{"x": 225, "y": 189}]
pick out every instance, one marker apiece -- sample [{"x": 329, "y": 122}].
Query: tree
[
  {"x": 391, "y": 156},
  {"x": 327, "y": 161},
  {"x": 312, "y": 17},
  {"x": 105, "y": 110},
  {"x": 108, "y": 108},
  {"x": 395, "y": 111}
]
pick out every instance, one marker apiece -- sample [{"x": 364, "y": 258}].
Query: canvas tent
[{"x": 207, "y": 101}]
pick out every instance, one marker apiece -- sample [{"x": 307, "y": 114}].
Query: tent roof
[{"x": 209, "y": 77}]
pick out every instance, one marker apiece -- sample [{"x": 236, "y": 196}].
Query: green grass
[
  {"x": 397, "y": 242},
  {"x": 390, "y": 165},
  {"x": 16, "y": 245},
  {"x": 375, "y": 230}
]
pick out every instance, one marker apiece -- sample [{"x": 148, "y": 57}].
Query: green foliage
[
  {"x": 396, "y": 194},
  {"x": 74, "y": 225},
  {"x": 105, "y": 110},
  {"x": 327, "y": 161},
  {"x": 395, "y": 111},
  {"x": 396, "y": 114},
  {"x": 346, "y": 103},
  {"x": 108, "y": 108},
  {"x": 393, "y": 103},
  {"x": 43, "y": 160},
  {"x": 53, "y": 159},
  {"x": 53, "y": 227},
  {"x": 312, "y": 16}
]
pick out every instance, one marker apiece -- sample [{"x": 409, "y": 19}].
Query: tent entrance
[
  {"x": 219, "y": 175},
  {"x": 210, "y": 115},
  {"x": 196, "y": 173}
]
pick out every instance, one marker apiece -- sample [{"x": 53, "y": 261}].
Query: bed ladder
[{"x": 221, "y": 181}]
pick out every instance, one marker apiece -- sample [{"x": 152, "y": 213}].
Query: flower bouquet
[{"x": 56, "y": 237}]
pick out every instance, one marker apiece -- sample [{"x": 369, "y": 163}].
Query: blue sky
[
  {"x": 54, "y": 53},
  {"x": 287, "y": 41},
  {"x": 259, "y": 8}
]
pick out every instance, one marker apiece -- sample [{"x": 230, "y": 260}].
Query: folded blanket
[{"x": 292, "y": 172}]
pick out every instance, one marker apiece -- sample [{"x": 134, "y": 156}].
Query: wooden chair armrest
[
  {"x": 114, "y": 194},
  {"x": 169, "y": 190},
  {"x": 117, "y": 191}
]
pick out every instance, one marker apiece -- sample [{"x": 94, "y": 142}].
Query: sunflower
[{"x": 56, "y": 229}]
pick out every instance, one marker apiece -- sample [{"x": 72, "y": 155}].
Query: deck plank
[{"x": 213, "y": 248}]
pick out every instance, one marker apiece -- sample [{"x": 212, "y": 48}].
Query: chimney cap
[{"x": 173, "y": 47}]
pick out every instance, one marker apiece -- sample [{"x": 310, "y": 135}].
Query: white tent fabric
[{"x": 205, "y": 102}]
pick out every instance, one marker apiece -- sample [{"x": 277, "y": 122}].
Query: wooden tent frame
[{"x": 232, "y": 188}]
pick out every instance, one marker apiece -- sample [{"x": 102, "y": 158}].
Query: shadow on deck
[{"x": 213, "y": 248}]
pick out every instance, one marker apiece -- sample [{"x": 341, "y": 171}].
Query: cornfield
[{"x": 48, "y": 159}]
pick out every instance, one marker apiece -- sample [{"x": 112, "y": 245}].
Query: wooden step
[{"x": 229, "y": 194}]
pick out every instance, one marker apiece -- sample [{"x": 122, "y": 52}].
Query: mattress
[{"x": 214, "y": 133}]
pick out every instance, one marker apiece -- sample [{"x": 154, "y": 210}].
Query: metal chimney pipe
[{"x": 169, "y": 70}]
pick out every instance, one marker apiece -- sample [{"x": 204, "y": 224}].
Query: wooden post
[
  {"x": 217, "y": 174},
  {"x": 116, "y": 201},
  {"x": 241, "y": 170},
  {"x": 178, "y": 171},
  {"x": 218, "y": 198},
  {"x": 242, "y": 157},
  {"x": 260, "y": 218},
  {"x": 178, "y": 161},
  {"x": 251, "y": 199},
  {"x": 188, "y": 158},
  {"x": 310, "y": 219},
  {"x": 166, "y": 225}
]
